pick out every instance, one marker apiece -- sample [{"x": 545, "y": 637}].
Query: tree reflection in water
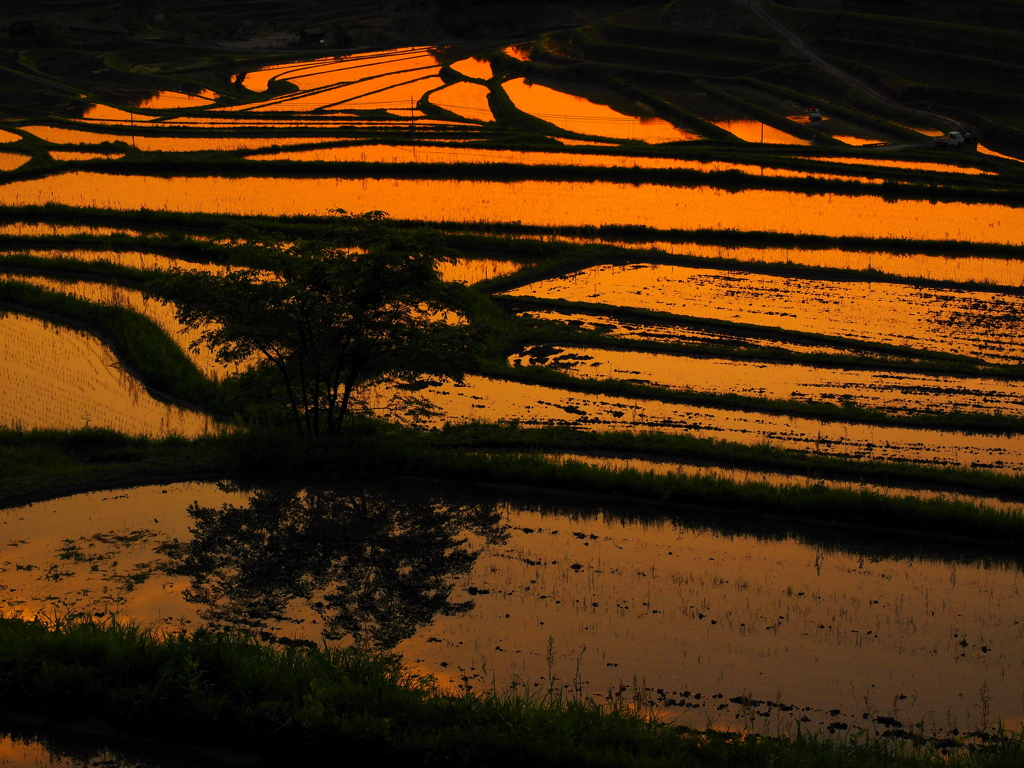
[{"x": 372, "y": 566}]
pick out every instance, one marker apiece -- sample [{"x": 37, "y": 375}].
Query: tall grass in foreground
[{"x": 297, "y": 704}]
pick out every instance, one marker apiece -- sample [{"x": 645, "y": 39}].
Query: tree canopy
[{"x": 328, "y": 316}]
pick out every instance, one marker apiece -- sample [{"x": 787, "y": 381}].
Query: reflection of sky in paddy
[
  {"x": 175, "y": 100},
  {"x": 983, "y": 325},
  {"x": 170, "y": 143},
  {"x": 55, "y": 378},
  {"x": 958, "y": 269},
  {"x": 891, "y": 391},
  {"x": 912, "y": 165},
  {"x": 163, "y": 315},
  {"x": 710, "y": 612},
  {"x": 481, "y": 399},
  {"x": 479, "y": 69},
  {"x": 543, "y": 203},
  {"x": 464, "y": 99},
  {"x": 574, "y": 113},
  {"x": 755, "y": 132}
]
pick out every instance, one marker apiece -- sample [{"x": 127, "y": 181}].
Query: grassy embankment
[
  {"x": 41, "y": 464},
  {"x": 297, "y": 705}
]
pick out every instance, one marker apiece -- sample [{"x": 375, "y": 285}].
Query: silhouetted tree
[{"x": 328, "y": 317}]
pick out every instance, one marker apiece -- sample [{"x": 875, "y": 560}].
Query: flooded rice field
[
  {"x": 10, "y": 161},
  {"x": 130, "y": 259},
  {"x": 56, "y": 135},
  {"x": 479, "y": 398},
  {"x": 467, "y": 100},
  {"x": 675, "y": 334},
  {"x": 57, "y": 378},
  {"x": 980, "y": 325},
  {"x": 895, "y": 392},
  {"x": 47, "y": 229},
  {"x": 163, "y": 315},
  {"x": 911, "y": 165},
  {"x": 580, "y": 115},
  {"x": 392, "y": 153},
  {"x": 541, "y": 203},
  {"x": 957, "y": 269},
  {"x": 715, "y": 625},
  {"x": 756, "y": 132}
]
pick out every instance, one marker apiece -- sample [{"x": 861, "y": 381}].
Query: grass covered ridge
[{"x": 297, "y": 704}]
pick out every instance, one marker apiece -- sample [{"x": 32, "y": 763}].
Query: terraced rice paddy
[
  {"x": 554, "y": 204},
  {"x": 892, "y": 392},
  {"x": 699, "y": 618},
  {"x": 956, "y": 269},
  {"x": 55, "y": 378},
  {"x": 536, "y": 405},
  {"x": 715, "y": 622},
  {"x": 981, "y": 325},
  {"x": 580, "y": 115},
  {"x": 757, "y": 132}
]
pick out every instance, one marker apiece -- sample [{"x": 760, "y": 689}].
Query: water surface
[
  {"x": 535, "y": 202},
  {"x": 977, "y": 324},
  {"x": 56, "y": 378},
  {"x": 586, "y": 598}
]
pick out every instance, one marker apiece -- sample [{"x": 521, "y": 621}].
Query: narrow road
[{"x": 798, "y": 45}]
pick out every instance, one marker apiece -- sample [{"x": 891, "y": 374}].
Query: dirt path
[{"x": 798, "y": 45}]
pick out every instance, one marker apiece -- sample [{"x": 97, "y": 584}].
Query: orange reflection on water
[
  {"x": 57, "y": 154},
  {"x": 101, "y": 113},
  {"x": 669, "y": 333},
  {"x": 163, "y": 315},
  {"x": 368, "y": 94},
  {"x": 543, "y": 203},
  {"x": 25, "y": 229},
  {"x": 465, "y": 99},
  {"x": 481, "y": 399},
  {"x": 580, "y": 115},
  {"x": 811, "y": 624},
  {"x": 901, "y": 393},
  {"x": 986, "y": 151},
  {"x": 55, "y": 378},
  {"x": 169, "y": 143},
  {"x": 521, "y": 52},
  {"x": 857, "y": 141},
  {"x": 6, "y": 137},
  {"x": 401, "y": 96},
  {"x": 130, "y": 259},
  {"x": 981, "y": 325},
  {"x": 175, "y": 100},
  {"x": 470, "y": 271},
  {"x": 392, "y": 153},
  {"x": 957, "y": 269},
  {"x": 10, "y": 161},
  {"x": 755, "y": 132},
  {"x": 912, "y": 165},
  {"x": 479, "y": 69}
]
